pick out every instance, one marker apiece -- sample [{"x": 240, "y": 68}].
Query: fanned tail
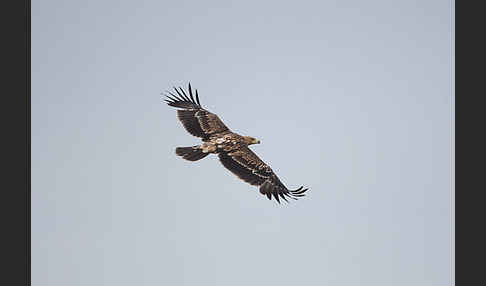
[{"x": 193, "y": 153}]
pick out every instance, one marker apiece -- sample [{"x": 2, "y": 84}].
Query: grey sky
[{"x": 352, "y": 99}]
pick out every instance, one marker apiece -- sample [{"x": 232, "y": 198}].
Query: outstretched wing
[
  {"x": 195, "y": 119},
  {"x": 247, "y": 166}
]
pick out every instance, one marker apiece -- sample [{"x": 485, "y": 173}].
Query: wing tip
[
  {"x": 181, "y": 99},
  {"x": 282, "y": 193}
]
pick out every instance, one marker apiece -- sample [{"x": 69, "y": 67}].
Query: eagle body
[
  {"x": 226, "y": 142},
  {"x": 231, "y": 148}
]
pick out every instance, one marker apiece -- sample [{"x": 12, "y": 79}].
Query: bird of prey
[{"x": 231, "y": 148}]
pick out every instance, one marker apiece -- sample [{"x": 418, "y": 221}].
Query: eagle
[{"x": 231, "y": 148}]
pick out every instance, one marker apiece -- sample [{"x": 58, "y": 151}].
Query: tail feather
[{"x": 193, "y": 153}]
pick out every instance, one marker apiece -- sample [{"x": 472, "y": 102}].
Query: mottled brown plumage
[{"x": 231, "y": 148}]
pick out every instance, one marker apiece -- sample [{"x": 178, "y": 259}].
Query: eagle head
[{"x": 250, "y": 140}]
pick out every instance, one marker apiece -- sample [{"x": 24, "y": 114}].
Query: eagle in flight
[{"x": 231, "y": 148}]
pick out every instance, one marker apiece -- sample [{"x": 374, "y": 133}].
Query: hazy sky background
[{"x": 352, "y": 99}]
